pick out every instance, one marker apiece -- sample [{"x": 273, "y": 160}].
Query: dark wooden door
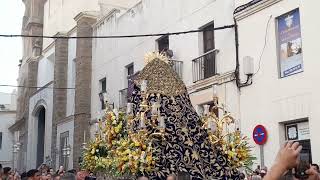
[{"x": 209, "y": 60}]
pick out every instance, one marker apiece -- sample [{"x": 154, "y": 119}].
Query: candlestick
[
  {"x": 97, "y": 127},
  {"x": 206, "y": 109},
  {"x": 84, "y": 136},
  {"x": 142, "y": 123},
  {"x": 144, "y": 85},
  {"x": 154, "y": 110},
  {"x": 211, "y": 125},
  {"x": 162, "y": 123},
  {"x": 214, "y": 89},
  {"x": 129, "y": 108}
]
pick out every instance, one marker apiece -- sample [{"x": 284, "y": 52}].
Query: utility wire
[
  {"x": 116, "y": 36},
  {"x": 35, "y": 87},
  {"x": 264, "y": 46}
]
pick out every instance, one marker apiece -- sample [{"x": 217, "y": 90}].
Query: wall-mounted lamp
[{"x": 248, "y": 68}]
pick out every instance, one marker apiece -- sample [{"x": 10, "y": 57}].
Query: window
[
  {"x": 204, "y": 66},
  {"x": 103, "y": 85},
  {"x": 0, "y": 140},
  {"x": 130, "y": 70},
  {"x": 163, "y": 44},
  {"x": 208, "y": 45},
  {"x": 103, "y": 89}
]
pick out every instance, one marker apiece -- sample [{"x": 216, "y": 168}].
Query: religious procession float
[{"x": 161, "y": 134}]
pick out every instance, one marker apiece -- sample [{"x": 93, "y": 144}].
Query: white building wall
[
  {"x": 7, "y": 119},
  {"x": 110, "y": 56},
  {"x": 59, "y": 14},
  {"x": 72, "y": 46},
  {"x": 46, "y": 68},
  {"x": 272, "y": 100}
]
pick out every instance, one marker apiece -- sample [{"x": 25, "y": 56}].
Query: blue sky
[{"x": 11, "y": 13}]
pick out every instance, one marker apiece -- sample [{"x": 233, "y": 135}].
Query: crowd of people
[
  {"x": 44, "y": 172},
  {"x": 287, "y": 166}
]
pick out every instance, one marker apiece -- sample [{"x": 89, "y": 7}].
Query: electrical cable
[
  {"x": 116, "y": 36},
  {"x": 264, "y": 46},
  {"x": 35, "y": 87}
]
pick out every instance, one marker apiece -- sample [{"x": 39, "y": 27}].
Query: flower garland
[{"x": 117, "y": 152}]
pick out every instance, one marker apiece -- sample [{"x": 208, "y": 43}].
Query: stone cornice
[
  {"x": 86, "y": 14},
  {"x": 255, "y": 8},
  {"x": 103, "y": 18},
  {"x": 217, "y": 79}
]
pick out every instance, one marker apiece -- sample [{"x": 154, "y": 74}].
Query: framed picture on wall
[{"x": 292, "y": 132}]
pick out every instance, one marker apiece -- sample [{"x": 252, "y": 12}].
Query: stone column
[
  {"x": 59, "y": 95},
  {"x": 83, "y": 83}
]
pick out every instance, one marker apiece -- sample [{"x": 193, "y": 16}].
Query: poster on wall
[{"x": 290, "y": 44}]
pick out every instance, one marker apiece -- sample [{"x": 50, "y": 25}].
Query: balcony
[
  {"x": 204, "y": 66},
  {"x": 176, "y": 66},
  {"x": 123, "y": 98}
]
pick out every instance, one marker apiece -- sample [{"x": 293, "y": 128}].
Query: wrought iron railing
[
  {"x": 123, "y": 98},
  {"x": 204, "y": 66},
  {"x": 177, "y": 66}
]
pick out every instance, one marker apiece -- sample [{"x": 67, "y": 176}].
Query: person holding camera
[{"x": 288, "y": 159}]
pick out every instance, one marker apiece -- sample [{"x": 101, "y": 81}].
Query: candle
[
  {"x": 142, "y": 123},
  {"x": 144, "y": 85},
  {"x": 115, "y": 111},
  {"x": 129, "y": 108},
  {"x": 143, "y": 156},
  {"x": 97, "y": 127},
  {"x": 162, "y": 123},
  {"x": 214, "y": 89},
  {"x": 206, "y": 109},
  {"x": 211, "y": 126},
  {"x": 84, "y": 136},
  {"x": 154, "y": 110}
]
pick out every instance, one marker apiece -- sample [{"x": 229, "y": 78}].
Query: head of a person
[
  {"x": 242, "y": 176},
  {"x": 68, "y": 176},
  {"x": 263, "y": 173},
  {"x": 23, "y": 175},
  {"x": 143, "y": 178},
  {"x": 171, "y": 177},
  {"x": 51, "y": 171},
  {"x": 316, "y": 166},
  {"x": 6, "y": 171},
  {"x": 33, "y": 174},
  {"x": 49, "y": 176},
  {"x": 73, "y": 171}
]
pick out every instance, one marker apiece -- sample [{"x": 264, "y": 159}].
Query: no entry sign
[{"x": 260, "y": 135}]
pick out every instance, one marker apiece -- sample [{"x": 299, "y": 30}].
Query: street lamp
[{"x": 66, "y": 151}]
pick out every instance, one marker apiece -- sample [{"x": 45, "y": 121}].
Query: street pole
[{"x": 262, "y": 155}]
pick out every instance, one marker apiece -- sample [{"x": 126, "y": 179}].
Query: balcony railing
[
  {"x": 176, "y": 66},
  {"x": 204, "y": 66},
  {"x": 123, "y": 98}
]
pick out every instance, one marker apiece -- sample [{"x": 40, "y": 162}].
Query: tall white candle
[
  {"x": 142, "y": 123},
  {"x": 129, "y": 108},
  {"x": 214, "y": 90},
  {"x": 144, "y": 85},
  {"x": 84, "y": 136},
  {"x": 206, "y": 109},
  {"x": 162, "y": 123},
  {"x": 154, "y": 110}
]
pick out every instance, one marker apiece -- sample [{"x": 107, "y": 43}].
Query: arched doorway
[{"x": 41, "y": 116}]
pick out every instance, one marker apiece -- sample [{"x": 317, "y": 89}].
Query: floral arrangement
[
  {"x": 237, "y": 150},
  {"x": 117, "y": 151}
]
